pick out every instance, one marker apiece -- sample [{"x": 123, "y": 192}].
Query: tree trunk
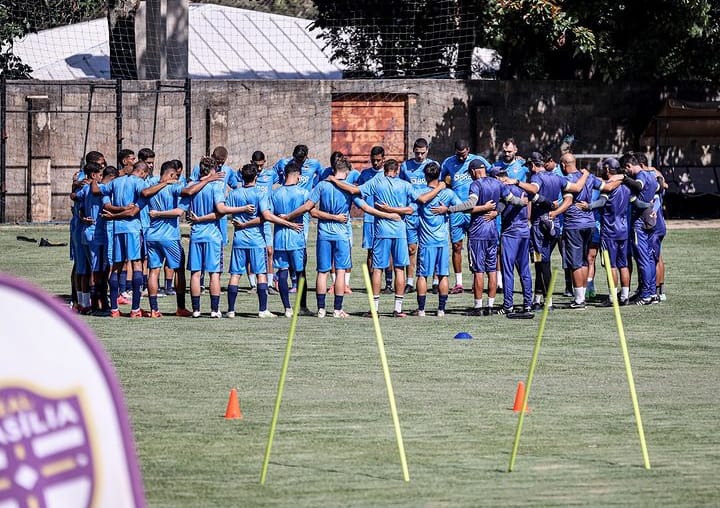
[{"x": 121, "y": 23}]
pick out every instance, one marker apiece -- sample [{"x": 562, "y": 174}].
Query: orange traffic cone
[
  {"x": 233, "y": 408},
  {"x": 519, "y": 397}
]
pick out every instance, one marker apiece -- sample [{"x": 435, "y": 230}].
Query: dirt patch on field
[{"x": 693, "y": 224}]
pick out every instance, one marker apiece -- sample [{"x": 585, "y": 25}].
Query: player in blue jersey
[
  {"x": 289, "y": 252},
  {"x": 331, "y": 206},
  {"x": 125, "y": 191},
  {"x": 248, "y": 248},
  {"x": 612, "y": 208},
  {"x": 544, "y": 187},
  {"x": 163, "y": 240},
  {"x": 413, "y": 171},
  {"x": 392, "y": 195},
  {"x": 433, "y": 248},
  {"x": 643, "y": 185},
  {"x": 267, "y": 180},
  {"x": 377, "y": 160},
  {"x": 660, "y": 226},
  {"x": 482, "y": 231},
  {"x": 454, "y": 172},
  {"x": 206, "y": 207},
  {"x": 90, "y": 257},
  {"x": 126, "y": 163}
]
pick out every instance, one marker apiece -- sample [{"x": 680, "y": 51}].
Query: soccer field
[{"x": 335, "y": 444}]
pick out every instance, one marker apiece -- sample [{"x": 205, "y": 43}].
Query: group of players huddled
[{"x": 125, "y": 228}]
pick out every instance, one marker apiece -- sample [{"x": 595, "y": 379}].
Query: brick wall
[{"x": 273, "y": 116}]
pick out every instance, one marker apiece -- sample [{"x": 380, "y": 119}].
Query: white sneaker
[
  {"x": 266, "y": 314},
  {"x": 288, "y": 313},
  {"x": 441, "y": 313},
  {"x": 230, "y": 314},
  {"x": 418, "y": 313},
  {"x": 663, "y": 297},
  {"x": 321, "y": 313},
  {"x": 196, "y": 314},
  {"x": 215, "y": 314},
  {"x": 340, "y": 314}
]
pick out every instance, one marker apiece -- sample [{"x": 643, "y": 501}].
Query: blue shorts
[
  {"x": 97, "y": 257},
  {"x": 459, "y": 225},
  {"x": 433, "y": 260},
  {"x": 617, "y": 251},
  {"x": 205, "y": 256},
  {"x": 595, "y": 240},
  {"x": 289, "y": 260},
  {"x": 577, "y": 245},
  {"x": 657, "y": 245},
  {"x": 82, "y": 258},
  {"x": 412, "y": 225},
  {"x": 126, "y": 247},
  {"x": 482, "y": 255},
  {"x": 268, "y": 233},
  {"x": 241, "y": 256},
  {"x": 541, "y": 245},
  {"x": 328, "y": 252},
  {"x": 384, "y": 248},
  {"x": 368, "y": 235},
  {"x": 160, "y": 251}
]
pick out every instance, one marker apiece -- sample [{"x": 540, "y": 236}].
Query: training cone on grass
[
  {"x": 233, "y": 408},
  {"x": 519, "y": 397}
]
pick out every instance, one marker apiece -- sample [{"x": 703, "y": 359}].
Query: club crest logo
[{"x": 46, "y": 458}]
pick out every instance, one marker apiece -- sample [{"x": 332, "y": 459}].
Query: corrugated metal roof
[{"x": 224, "y": 43}]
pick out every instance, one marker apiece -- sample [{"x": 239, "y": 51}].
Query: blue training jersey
[
  {"x": 309, "y": 172},
  {"x": 485, "y": 189},
  {"x": 574, "y": 217},
  {"x": 168, "y": 198},
  {"x": 284, "y": 200},
  {"x": 393, "y": 192},
  {"x": 414, "y": 172},
  {"x": 646, "y": 194},
  {"x": 92, "y": 205},
  {"x": 365, "y": 176},
  {"x": 613, "y": 216},
  {"x": 550, "y": 186},
  {"x": 329, "y": 198},
  {"x": 434, "y": 229},
  {"x": 251, "y": 237},
  {"x": 517, "y": 170},
  {"x": 123, "y": 191},
  {"x": 455, "y": 174},
  {"x": 204, "y": 203},
  {"x": 515, "y": 218}
]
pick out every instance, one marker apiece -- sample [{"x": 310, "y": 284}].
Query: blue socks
[
  {"x": 232, "y": 292},
  {"x": 262, "y": 290}
]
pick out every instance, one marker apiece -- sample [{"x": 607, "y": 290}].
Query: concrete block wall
[{"x": 274, "y": 116}]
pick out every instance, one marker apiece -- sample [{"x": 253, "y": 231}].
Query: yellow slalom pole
[
  {"x": 531, "y": 373},
  {"x": 626, "y": 356},
  {"x": 281, "y": 383},
  {"x": 386, "y": 372}
]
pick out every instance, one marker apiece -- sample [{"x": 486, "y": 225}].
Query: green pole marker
[
  {"x": 281, "y": 383},
  {"x": 626, "y": 356},
  {"x": 386, "y": 372},
  {"x": 533, "y": 362}
]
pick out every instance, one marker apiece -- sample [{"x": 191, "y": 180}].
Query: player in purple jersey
[{"x": 660, "y": 227}]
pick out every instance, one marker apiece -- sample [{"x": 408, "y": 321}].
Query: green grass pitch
[{"x": 335, "y": 444}]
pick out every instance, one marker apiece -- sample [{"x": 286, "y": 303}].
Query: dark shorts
[
  {"x": 577, "y": 245},
  {"x": 482, "y": 255},
  {"x": 617, "y": 251}
]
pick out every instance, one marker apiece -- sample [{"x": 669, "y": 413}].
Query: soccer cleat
[
  {"x": 409, "y": 289},
  {"x": 85, "y": 311},
  {"x": 215, "y": 314},
  {"x": 340, "y": 314},
  {"x": 292, "y": 290},
  {"x": 568, "y": 292},
  {"x": 101, "y": 313},
  {"x": 624, "y": 302},
  {"x": 183, "y": 313},
  {"x": 288, "y": 313},
  {"x": 418, "y": 313},
  {"x": 321, "y": 313},
  {"x": 607, "y": 303},
  {"x": 505, "y": 311},
  {"x": 161, "y": 293},
  {"x": 527, "y": 308},
  {"x": 170, "y": 292},
  {"x": 135, "y": 314},
  {"x": 123, "y": 300},
  {"x": 145, "y": 313},
  {"x": 272, "y": 291},
  {"x": 662, "y": 297},
  {"x": 144, "y": 293},
  {"x": 126, "y": 294},
  {"x": 645, "y": 301},
  {"x": 267, "y": 314},
  {"x": 388, "y": 290},
  {"x": 440, "y": 313},
  {"x": 368, "y": 314},
  {"x": 578, "y": 305},
  {"x": 196, "y": 314},
  {"x": 155, "y": 314},
  {"x": 457, "y": 289},
  {"x": 399, "y": 314},
  {"x": 478, "y": 311},
  {"x": 348, "y": 290},
  {"x": 230, "y": 314},
  {"x": 304, "y": 311},
  {"x": 537, "y": 306},
  {"x": 115, "y": 313},
  {"x": 253, "y": 290}
]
